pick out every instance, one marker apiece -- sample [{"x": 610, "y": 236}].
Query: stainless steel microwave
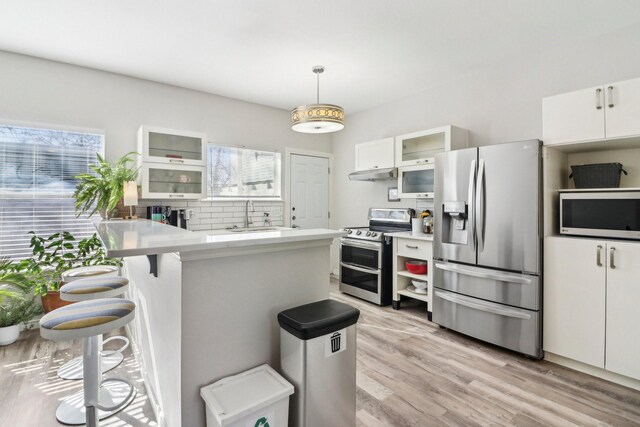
[{"x": 613, "y": 214}]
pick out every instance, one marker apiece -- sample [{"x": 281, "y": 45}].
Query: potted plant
[
  {"x": 52, "y": 256},
  {"x": 17, "y": 303},
  {"x": 102, "y": 191}
]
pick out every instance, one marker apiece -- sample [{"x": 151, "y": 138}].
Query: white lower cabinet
[
  {"x": 406, "y": 249},
  {"x": 623, "y": 308},
  {"x": 591, "y": 291}
]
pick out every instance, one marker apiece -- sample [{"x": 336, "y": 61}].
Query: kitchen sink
[{"x": 254, "y": 229}]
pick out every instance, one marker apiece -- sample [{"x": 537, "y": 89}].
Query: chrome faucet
[{"x": 248, "y": 221}]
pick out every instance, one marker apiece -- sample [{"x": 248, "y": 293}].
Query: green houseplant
[
  {"x": 53, "y": 255},
  {"x": 17, "y": 303},
  {"x": 104, "y": 189}
]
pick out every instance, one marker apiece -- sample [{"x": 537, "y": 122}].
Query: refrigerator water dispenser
[{"x": 454, "y": 222}]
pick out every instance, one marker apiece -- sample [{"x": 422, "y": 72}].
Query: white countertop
[
  {"x": 122, "y": 238},
  {"x": 409, "y": 235}
]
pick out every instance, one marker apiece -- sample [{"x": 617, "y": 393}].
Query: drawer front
[
  {"x": 520, "y": 290},
  {"x": 509, "y": 327},
  {"x": 419, "y": 249}
]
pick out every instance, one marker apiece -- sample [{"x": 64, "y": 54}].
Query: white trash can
[{"x": 258, "y": 397}]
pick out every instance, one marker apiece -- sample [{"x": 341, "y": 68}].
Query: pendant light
[{"x": 317, "y": 118}]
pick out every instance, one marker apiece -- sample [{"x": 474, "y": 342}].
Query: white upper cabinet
[
  {"x": 375, "y": 155},
  {"x": 420, "y": 148},
  {"x": 594, "y": 114},
  {"x": 573, "y": 117},
  {"x": 622, "y": 114},
  {"x": 176, "y": 147},
  {"x": 173, "y": 182}
]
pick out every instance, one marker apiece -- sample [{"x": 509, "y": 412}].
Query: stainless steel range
[{"x": 366, "y": 255}]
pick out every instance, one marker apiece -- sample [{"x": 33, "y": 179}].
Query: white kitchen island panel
[{"x": 211, "y": 312}]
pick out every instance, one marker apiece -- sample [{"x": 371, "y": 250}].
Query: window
[
  {"x": 241, "y": 172},
  {"x": 37, "y": 170}
]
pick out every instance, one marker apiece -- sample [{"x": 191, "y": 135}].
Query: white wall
[
  {"x": 498, "y": 104},
  {"x": 37, "y": 90}
]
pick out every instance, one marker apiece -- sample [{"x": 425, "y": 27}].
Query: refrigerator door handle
[
  {"x": 472, "y": 195},
  {"x": 476, "y": 305},
  {"x": 503, "y": 277},
  {"x": 479, "y": 206}
]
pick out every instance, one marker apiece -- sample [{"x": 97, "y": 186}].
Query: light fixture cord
[{"x": 317, "y": 88}]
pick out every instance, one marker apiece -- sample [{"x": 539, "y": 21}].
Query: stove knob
[
  {"x": 368, "y": 233},
  {"x": 374, "y": 234},
  {"x": 349, "y": 231},
  {"x": 358, "y": 232}
]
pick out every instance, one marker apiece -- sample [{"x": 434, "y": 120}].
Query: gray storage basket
[{"x": 599, "y": 175}]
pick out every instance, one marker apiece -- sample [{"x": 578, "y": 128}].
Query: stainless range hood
[{"x": 374, "y": 175}]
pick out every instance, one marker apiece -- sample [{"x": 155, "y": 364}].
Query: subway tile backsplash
[{"x": 212, "y": 215}]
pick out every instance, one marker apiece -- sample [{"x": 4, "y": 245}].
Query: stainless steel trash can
[{"x": 318, "y": 356}]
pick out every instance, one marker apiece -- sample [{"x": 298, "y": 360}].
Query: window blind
[
  {"x": 243, "y": 172},
  {"x": 37, "y": 170}
]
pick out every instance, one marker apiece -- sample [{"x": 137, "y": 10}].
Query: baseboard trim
[{"x": 592, "y": 370}]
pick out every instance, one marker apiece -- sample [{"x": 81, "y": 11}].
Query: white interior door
[{"x": 309, "y": 179}]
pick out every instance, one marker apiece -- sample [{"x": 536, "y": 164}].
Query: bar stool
[
  {"x": 89, "y": 320},
  {"x": 104, "y": 285},
  {"x": 89, "y": 271}
]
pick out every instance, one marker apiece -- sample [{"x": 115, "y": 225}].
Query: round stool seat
[
  {"x": 94, "y": 287},
  {"x": 89, "y": 271},
  {"x": 86, "y": 319}
]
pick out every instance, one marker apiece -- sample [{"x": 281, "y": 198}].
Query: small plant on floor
[
  {"x": 53, "y": 255},
  {"x": 17, "y": 304},
  {"x": 102, "y": 190}
]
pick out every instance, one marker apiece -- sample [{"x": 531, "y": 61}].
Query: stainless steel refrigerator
[{"x": 487, "y": 244}]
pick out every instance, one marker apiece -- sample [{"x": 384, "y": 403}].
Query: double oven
[
  {"x": 366, "y": 255},
  {"x": 364, "y": 267}
]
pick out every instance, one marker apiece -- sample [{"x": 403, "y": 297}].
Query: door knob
[{"x": 293, "y": 218}]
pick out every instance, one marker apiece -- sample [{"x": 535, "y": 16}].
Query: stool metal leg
[
  {"x": 109, "y": 359},
  {"x": 91, "y": 372},
  {"x": 85, "y": 406}
]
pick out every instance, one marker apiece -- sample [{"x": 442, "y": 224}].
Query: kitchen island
[{"x": 206, "y": 302}]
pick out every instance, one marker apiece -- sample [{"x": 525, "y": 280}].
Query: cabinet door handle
[
  {"x": 176, "y": 161},
  {"x": 375, "y": 167},
  {"x": 598, "y": 103},
  {"x": 610, "y": 88},
  {"x": 598, "y": 256},
  {"x": 612, "y": 252},
  {"x": 176, "y": 195},
  {"x": 411, "y": 247}
]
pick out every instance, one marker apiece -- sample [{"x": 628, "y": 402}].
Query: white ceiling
[{"x": 374, "y": 51}]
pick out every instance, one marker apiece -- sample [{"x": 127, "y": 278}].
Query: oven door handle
[
  {"x": 361, "y": 269},
  {"x": 482, "y": 307},
  {"x": 376, "y": 246}
]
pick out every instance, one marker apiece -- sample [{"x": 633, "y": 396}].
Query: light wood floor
[
  {"x": 30, "y": 390},
  {"x": 409, "y": 373},
  {"x": 412, "y": 373}
]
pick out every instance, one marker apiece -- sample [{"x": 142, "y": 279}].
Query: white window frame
[
  {"x": 55, "y": 127},
  {"x": 279, "y": 178}
]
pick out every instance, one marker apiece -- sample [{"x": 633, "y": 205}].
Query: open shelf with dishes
[{"x": 418, "y": 252}]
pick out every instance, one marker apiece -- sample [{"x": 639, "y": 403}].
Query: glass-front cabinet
[
  {"x": 416, "y": 181},
  {"x": 420, "y": 148},
  {"x": 173, "y": 182},
  {"x": 176, "y": 147}
]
